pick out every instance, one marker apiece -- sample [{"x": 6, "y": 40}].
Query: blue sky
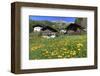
[{"x": 52, "y": 18}]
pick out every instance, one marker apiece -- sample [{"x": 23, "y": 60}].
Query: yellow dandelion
[
  {"x": 52, "y": 53},
  {"x": 46, "y": 52},
  {"x": 63, "y": 54},
  {"x": 68, "y": 56},
  {"x": 59, "y": 56},
  {"x": 78, "y": 49},
  {"x": 67, "y": 52},
  {"x": 74, "y": 52},
  {"x": 64, "y": 49},
  {"x": 79, "y": 45},
  {"x": 33, "y": 49}
]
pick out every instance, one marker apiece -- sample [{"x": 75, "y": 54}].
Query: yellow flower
[
  {"x": 59, "y": 56},
  {"x": 52, "y": 53},
  {"x": 78, "y": 49},
  {"x": 36, "y": 47},
  {"x": 33, "y": 48},
  {"x": 74, "y": 52},
  {"x": 63, "y": 54},
  {"x": 71, "y": 52},
  {"x": 79, "y": 45},
  {"x": 68, "y": 56},
  {"x": 46, "y": 52},
  {"x": 64, "y": 49}
]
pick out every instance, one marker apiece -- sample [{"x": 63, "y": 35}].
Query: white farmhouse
[
  {"x": 45, "y": 31},
  {"x": 37, "y": 29},
  {"x": 62, "y": 31}
]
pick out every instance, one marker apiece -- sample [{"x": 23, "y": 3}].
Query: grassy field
[{"x": 74, "y": 46}]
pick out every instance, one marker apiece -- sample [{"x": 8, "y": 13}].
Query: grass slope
[{"x": 74, "y": 46}]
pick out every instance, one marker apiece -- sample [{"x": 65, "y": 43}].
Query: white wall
[{"x": 5, "y": 27}]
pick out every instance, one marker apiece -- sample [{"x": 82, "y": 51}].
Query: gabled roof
[
  {"x": 44, "y": 27},
  {"x": 38, "y": 25},
  {"x": 74, "y": 26},
  {"x": 49, "y": 28}
]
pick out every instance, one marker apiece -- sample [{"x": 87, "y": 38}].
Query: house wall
[
  {"x": 48, "y": 33},
  {"x": 38, "y": 29}
]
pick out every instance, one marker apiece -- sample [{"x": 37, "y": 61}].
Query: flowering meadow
[{"x": 73, "y": 46}]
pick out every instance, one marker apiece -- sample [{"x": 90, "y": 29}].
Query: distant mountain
[{"x": 61, "y": 22}]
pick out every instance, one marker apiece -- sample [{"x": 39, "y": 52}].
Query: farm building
[
  {"x": 62, "y": 31},
  {"x": 49, "y": 32},
  {"x": 46, "y": 31},
  {"x": 74, "y": 28},
  {"x": 37, "y": 28}
]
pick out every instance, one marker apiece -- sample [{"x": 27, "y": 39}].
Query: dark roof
[
  {"x": 45, "y": 27},
  {"x": 49, "y": 28},
  {"x": 74, "y": 26},
  {"x": 38, "y": 25}
]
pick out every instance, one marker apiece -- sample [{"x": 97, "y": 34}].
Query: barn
[
  {"x": 46, "y": 31},
  {"x": 74, "y": 28}
]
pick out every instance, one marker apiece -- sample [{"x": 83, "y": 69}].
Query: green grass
[{"x": 74, "y": 46}]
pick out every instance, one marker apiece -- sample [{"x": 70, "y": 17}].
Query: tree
[{"x": 82, "y": 22}]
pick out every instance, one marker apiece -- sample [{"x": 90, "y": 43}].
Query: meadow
[{"x": 65, "y": 46}]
